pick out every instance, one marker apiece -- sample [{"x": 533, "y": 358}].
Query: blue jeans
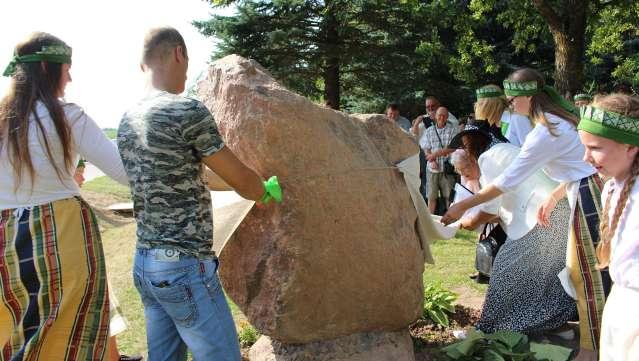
[{"x": 184, "y": 307}]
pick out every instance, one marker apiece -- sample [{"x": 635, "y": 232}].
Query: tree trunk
[
  {"x": 569, "y": 65},
  {"x": 568, "y": 28},
  {"x": 332, "y": 64}
]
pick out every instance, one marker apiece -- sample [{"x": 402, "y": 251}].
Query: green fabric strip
[
  {"x": 55, "y": 54},
  {"x": 559, "y": 100},
  {"x": 520, "y": 88},
  {"x": 488, "y": 93},
  {"x": 610, "y": 125},
  {"x": 583, "y": 97}
]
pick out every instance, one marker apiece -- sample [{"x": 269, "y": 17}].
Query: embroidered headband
[
  {"x": 611, "y": 125},
  {"x": 488, "y": 92},
  {"x": 57, "y": 53},
  {"x": 582, "y": 96},
  {"x": 530, "y": 88}
]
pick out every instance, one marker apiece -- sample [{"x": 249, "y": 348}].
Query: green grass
[
  {"x": 107, "y": 186},
  {"x": 454, "y": 261},
  {"x": 111, "y": 133}
]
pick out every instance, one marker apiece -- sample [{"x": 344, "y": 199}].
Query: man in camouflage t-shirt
[{"x": 164, "y": 141}]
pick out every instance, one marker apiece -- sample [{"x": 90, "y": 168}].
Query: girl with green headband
[
  {"x": 554, "y": 147},
  {"x": 55, "y": 305},
  {"x": 491, "y": 105},
  {"x": 610, "y": 131}
]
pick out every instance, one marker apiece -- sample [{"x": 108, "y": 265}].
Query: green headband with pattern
[
  {"x": 611, "y": 125},
  {"x": 57, "y": 53},
  {"x": 520, "y": 88},
  {"x": 582, "y": 96},
  {"x": 488, "y": 92},
  {"x": 530, "y": 88}
]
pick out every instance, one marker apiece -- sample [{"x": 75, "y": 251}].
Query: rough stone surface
[
  {"x": 374, "y": 346},
  {"x": 340, "y": 255}
]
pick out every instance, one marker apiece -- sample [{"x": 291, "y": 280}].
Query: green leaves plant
[
  {"x": 438, "y": 303},
  {"x": 504, "y": 346}
]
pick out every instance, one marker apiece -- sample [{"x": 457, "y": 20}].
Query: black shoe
[
  {"x": 482, "y": 279},
  {"x": 131, "y": 358}
]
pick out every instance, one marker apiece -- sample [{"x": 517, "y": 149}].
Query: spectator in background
[
  {"x": 423, "y": 122},
  {"x": 582, "y": 99},
  {"x": 418, "y": 129},
  {"x": 392, "y": 112},
  {"x": 434, "y": 143}
]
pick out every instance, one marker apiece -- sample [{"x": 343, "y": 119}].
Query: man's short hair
[
  {"x": 442, "y": 109},
  {"x": 159, "y": 42},
  {"x": 433, "y": 99},
  {"x": 393, "y": 106}
]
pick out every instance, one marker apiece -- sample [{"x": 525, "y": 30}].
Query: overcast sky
[{"x": 106, "y": 37}]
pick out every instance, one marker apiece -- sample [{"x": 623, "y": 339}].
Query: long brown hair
[
  {"x": 629, "y": 106},
  {"x": 32, "y": 82},
  {"x": 541, "y": 102}
]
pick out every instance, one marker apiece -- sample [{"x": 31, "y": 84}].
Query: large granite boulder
[{"x": 340, "y": 255}]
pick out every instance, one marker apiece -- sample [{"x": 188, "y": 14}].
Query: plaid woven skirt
[
  {"x": 591, "y": 284},
  {"x": 53, "y": 287}
]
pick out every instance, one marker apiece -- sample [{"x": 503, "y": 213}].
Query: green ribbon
[
  {"x": 561, "y": 101},
  {"x": 530, "y": 88},
  {"x": 272, "y": 191},
  {"x": 53, "y": 53},
  {"x": 488, "y": 93},
  {"x": 611, "y": 125}
]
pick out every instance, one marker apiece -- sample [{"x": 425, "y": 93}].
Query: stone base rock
[{"x": 369, "y": 346}]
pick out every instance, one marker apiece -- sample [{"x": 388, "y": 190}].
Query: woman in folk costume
[
  {"x": 53, "y": 283},
  {"x": 610, "y": 131},
  {"x": 492, "y": 106},
  {"x": 524, "y": 295},
  {"x": 554, "y": 146}
]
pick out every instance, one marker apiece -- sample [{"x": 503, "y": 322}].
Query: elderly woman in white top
[
  {"x": 554, "y": 147},
  {"x": 52, "y": 274}
]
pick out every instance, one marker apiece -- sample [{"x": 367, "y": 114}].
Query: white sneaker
[
  {"x": 567, "y": 335},
  {"x": 460, "y": 334}
]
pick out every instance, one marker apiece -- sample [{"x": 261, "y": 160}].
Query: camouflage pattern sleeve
[{"x": 200, "y": 131}]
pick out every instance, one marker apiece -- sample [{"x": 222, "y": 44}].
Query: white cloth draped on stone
[{"x": 428, "y": 228}]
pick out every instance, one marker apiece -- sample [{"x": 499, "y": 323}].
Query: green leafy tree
[
  {"x": 359, "y": 55},
  {"x": 572, "y": 26}
]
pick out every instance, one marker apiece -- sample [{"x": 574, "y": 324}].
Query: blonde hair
[
  {"x": 541, "y": 103},
  {"x": 491, "y": 108},
  {"x": 629, "y": 106}
]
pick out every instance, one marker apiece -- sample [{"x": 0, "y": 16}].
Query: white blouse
[
  {"x": 624, "y": 260},
  {"x": 88, "y": 141},
  {"x": 560, "y": 157},
  {"x": 518, "y": 127}
]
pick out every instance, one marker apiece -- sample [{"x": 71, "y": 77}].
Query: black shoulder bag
[
  {"x": 489, "y": 244},
  {"x": 449, "y": 169}
]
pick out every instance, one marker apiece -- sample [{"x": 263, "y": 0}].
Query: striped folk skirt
[
  {"x": 55, "y": 303},
  {"x": 591, "y": 284}
]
